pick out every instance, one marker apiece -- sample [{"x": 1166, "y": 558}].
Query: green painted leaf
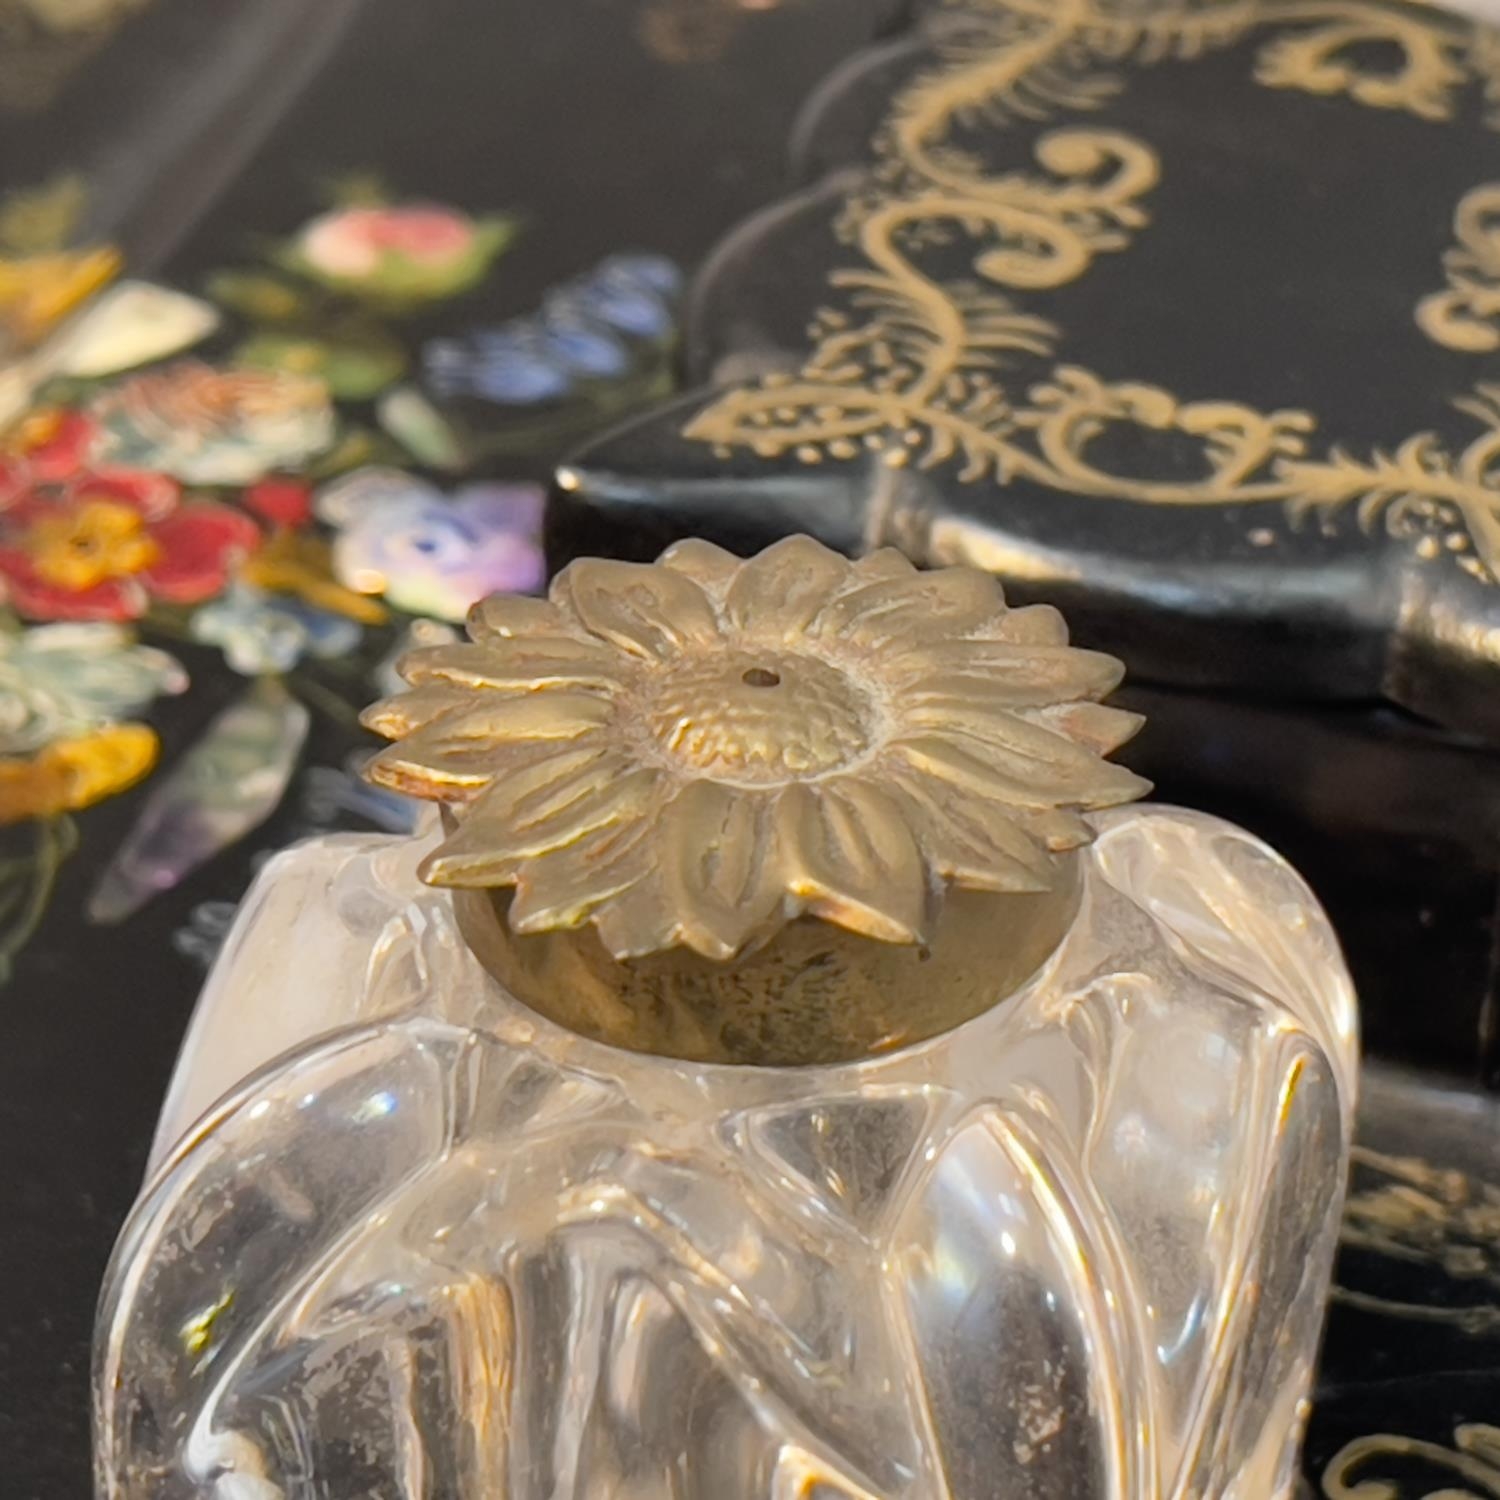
[
  {"x": 354, "y": 366},
  {"x": 31, "y": 854},
  {"x": 260, "y": 297}
]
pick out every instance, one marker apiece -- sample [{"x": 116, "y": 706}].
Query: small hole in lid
[{"x": 761, "y": 677}]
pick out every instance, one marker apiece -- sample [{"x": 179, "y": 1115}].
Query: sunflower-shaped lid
[{"x": 695, "y": 752}]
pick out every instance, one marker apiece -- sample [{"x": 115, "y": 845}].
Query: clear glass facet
[{"x": 429, "y": 1245}]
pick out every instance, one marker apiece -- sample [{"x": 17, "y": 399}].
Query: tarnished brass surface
[
  {"x": 788, "y": 809},
  {"x": 815, "y": 993}
]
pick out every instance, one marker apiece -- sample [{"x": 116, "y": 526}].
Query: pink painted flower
[
  {"x": 351, "y": 243},
  {"x": 406, "y": 252}
]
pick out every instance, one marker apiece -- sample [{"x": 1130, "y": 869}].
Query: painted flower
[
  {"x": 300, "y": 564},
  {"x": 590, "y": 328},
  {"x": 50, "y": 446},
  {"x": 698, "y": 751},
  {"x": 72, "y": 774},
  {"x": 260, "y": 632},
  {"x": 105, "y": 546},
  {"x": 429, "y": 554},
  {"x": 38, "y": 291},
  {"x": 209, "y": 426},
  {"x": 580, "y": 344},
  {"x": 279, "y": 502},
  {"x": 228, "y": 782},
  {"x": 517, "y": 364},
  {"x": 63, "y": 681},
  {"x": 51, "y": 453},
  {"x": 409, "y": 252},
  {"x": 132, "y": 324},
  {"x": 636, "y": 294}
]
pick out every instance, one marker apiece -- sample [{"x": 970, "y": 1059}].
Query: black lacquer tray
[
  {"x": 1182, "y": 317},
  {"x": 1295, "y": 226},
  {"x": 1176, "y": 315}
]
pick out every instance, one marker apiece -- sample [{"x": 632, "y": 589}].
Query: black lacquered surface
[
  {"x": 608, "y": 130},
  {"x": 1160, "y": 351},
  {"x": 1153, "y": 344}
]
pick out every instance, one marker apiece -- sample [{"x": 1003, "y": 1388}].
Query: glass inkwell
[{"x": 786, "y": 1066}]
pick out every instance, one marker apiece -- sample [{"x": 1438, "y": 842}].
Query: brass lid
[{"x": 703, "y": 753}]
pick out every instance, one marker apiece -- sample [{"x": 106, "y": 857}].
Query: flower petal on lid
[
  {"x": 397, "y": 717},
  {"x": 1033, "y": 625},
  {"x": 525, "y": 664},
  {"x": 719, "y": 867},
  {"x": 710, "y": 567},
  {"x": 974, "y": 669},
  {"x": 981, "y": 845},
  {"x": 567, "y": 887},
  {"x": 1101, "y": 728},
  {"x": 644, "y": 610},
  {"x": 432, "y": 765},
  {"x": 523, "y": 823},
  {"x": 884, "y": 562},
  {"x": 511, "y": 615},
  {"x": 851, "y": 858},
  {"x": 463, "y": 740},
  {"x": 1023, "y": 779},
  {"x": 640, "y": 920},
  {"x": 782, "y": 590},
  {"x": 896, "y": 611}
]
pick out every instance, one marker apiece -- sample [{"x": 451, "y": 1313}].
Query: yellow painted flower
[
  {"x": 38, "y": 429},
  {"x": 79, "y": 547},
  {"x": 75, "y": 773},
  {"x": 301, "y": 564},
  {"x": 37, "y": 291},
  {"x": 698, "y": 751}
]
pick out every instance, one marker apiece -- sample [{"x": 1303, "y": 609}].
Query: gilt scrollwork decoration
[
  {"x": 1469, "y": 1470},
  {"x": 1466, "y": 316},
  {"x": 1410, "y": 1211},
  {"x": 1323, "y": 59},
  {"x": 913, "y": 364}
]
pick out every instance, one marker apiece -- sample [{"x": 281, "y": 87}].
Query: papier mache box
[{"x": 1186, "y": 318}]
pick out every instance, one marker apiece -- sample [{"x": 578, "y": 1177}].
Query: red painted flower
[
  {"x": 49, "y": 447},
  {"x": 50, "y": 453},
  {"x": 103, "y": 546},
  {"x": 79, "y": 542},
  {"x": 279, "y": 502}
]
